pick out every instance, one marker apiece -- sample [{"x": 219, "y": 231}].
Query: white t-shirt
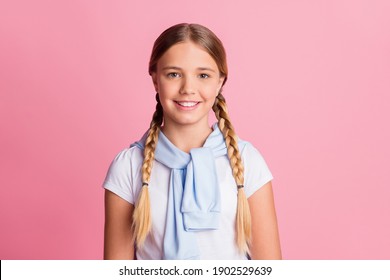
[{"x": 124, "y": 179}]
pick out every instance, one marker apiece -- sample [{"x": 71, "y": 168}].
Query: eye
[
  {"x": 204, "y": 76},
  {"x": 173, "y": 75}
]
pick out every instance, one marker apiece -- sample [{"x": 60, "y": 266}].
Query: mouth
[{"x": 187, "y": 104}]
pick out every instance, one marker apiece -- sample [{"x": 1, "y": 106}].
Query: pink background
[{"x": 309, "y": 86}]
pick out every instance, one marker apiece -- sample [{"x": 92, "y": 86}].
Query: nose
[{"x": 187, "y": 86}]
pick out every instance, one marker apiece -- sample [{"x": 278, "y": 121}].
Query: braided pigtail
[
  {"x": 142, "y": 220},
  {"x": 243, "y": 216}
]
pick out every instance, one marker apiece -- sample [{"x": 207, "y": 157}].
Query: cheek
[
  {"x": 168, "y": 87},
  {"x": 211, "y": 90}
]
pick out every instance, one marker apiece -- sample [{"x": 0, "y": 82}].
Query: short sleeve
[
  {"x": 118, "y": 178},
  {"x": 256, "y": 171}
]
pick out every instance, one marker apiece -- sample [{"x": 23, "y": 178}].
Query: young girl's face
[{"x": 187, "y": 80}]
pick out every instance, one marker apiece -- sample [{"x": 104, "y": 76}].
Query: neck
[{"x": 187, "y": 137}]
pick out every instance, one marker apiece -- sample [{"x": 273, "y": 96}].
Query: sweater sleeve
[{"x": 256, "y": 171}]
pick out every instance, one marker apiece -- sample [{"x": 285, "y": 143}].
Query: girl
[{"x": 187, "y": 190}]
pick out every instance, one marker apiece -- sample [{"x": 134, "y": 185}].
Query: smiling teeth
[{"x": 187, "y": 104}]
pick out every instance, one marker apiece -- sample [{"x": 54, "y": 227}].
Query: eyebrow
[{"x": 178, "y": 68}]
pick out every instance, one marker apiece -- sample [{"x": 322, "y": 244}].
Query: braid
[
  {"x": 142, "y": 222},
  {"x": 243, "y": 216}
]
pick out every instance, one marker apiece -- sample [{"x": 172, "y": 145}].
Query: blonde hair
[{"x": 201, "y": 35}]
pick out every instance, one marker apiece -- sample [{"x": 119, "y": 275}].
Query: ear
[
  {"x": 154, "y": 78},
  {"x": 220, "y": 83}
]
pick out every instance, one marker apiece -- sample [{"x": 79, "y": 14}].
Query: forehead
[{"x": 187, "y": 55}]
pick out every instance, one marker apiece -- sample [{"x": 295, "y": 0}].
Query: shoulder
[
  {"x": 128, "y": 155},
  {"x": 127, "y": 161},
  {"x": 123, "y": 171},
  {"x": 249, "y": 153},
  {"x": 256, "y": 170}
]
